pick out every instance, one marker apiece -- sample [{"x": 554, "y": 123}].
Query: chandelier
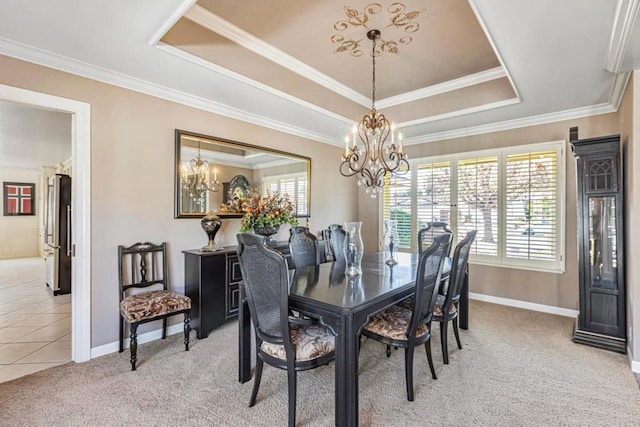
[
  {"x": 196, "y": 180},
  {"x": 374, "y": 153}
]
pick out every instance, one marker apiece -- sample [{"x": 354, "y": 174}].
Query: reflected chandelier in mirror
[{"x": 210, "y": 171}]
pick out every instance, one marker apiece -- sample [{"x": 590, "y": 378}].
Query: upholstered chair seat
[
  {"x": 393, "y": 323},
  {"x": 309, "y": 342},
  {"x": 147, "y": 305},
  {"x": 437, "y": 309}
]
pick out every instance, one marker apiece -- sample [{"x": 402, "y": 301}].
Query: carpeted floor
[{"x": 517, "y": 367}]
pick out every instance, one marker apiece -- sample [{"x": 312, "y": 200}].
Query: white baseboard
[
  {"x": 635, "y": 364},
  {"x": 524, "y": 304},
  {"x": 143, "y": 338}
]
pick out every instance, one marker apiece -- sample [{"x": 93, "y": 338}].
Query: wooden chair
[
  {"x": 427, "y": 235},
  {"x": 407, "y": 328},
  {"x": 446, "y": 308},
  {"x": 279, "y": 342},
  {"x": 303, "y": 247},
  {"x": 141, "y": 266}
]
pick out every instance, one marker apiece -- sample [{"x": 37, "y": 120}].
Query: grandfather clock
[{"x": 600, "y": 205}]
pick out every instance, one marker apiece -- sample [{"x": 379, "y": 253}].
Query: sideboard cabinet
[
  {"x": 212, "y": 282},
  {"x": 600, "y": 205}
]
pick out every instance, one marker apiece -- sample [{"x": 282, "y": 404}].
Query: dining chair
[
  {"x": 303, "y": 247},
  {"x": 427, "y": 235},
  {"x": 446, "y": 307},
  {"x": 408, "y": 328},
  {"x": 279, "y": 342},
  {"x": 336, "y": 241},
  {"x": 144, "y": 266}
]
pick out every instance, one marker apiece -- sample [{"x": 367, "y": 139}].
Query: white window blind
[
  {"x": 433, "y": 193},
  {"x": 531, "y": 217},
  {"x": 513, "y": 197},
  {"x": 397, "y": 205},
  {"x": 478, "y": 203}
]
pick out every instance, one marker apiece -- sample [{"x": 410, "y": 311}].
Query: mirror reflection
[{"x": 211, "y": 171}]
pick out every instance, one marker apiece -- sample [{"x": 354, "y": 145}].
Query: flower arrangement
[{"x": 259, "y": 211}]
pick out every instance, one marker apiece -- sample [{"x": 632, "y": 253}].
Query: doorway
[{"x": 80, "y": 298}]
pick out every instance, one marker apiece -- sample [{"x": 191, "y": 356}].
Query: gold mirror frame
[{"x": 220, "y": 152}]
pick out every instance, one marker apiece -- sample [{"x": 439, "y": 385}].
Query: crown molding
[
  {"x": 448, "y": 86},
  {"x": 83, "y": 69},
  {"x": 514, "y": 124},
  {"x": 213, "y": 22},
  {"x": 241, "y": 78},
  {"x": 625, "y": 17},
  {"x": 487, "y": 34},
  {"x": 617, "y": 89},
  {"x": 458, "y": 113},
  {"x": 175, "y": 16}
]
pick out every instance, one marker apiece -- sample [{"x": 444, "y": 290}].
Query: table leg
[
  {"x": 244, "y": 341},
  {"x": 463, "y": 316},
  {"x": 346, "y": 372}
]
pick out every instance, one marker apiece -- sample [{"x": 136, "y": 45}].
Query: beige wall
[
  {"x": 630, "y": 132},
  {"x": 19, "y": 234},
  {"x": 558, "y": 290},
  {"x": 132, "y": 152}
]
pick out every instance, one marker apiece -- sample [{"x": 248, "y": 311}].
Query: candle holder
[{"x": 391, "y": 241}]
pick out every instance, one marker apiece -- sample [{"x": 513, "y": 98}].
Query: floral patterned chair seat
[
  {"x": 147, "y": 305},
  {"x": 393, "y": 323},
  {"x": 310, "y": 342}
]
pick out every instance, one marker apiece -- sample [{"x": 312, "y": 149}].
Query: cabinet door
[
  {"x": 602, "y": 287},
  {"x": 234, "y": 277}
]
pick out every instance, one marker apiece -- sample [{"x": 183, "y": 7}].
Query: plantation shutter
[
  {"x": 477, "y": 200},
  {"x": 301, "y": 196},
  {"x": 433, "y": 193},
  {"x": 397, "y": 205},
  {"x": 531, "y": 215}
]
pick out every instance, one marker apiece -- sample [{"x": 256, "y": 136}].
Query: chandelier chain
[{"x": 373, "y": 88}]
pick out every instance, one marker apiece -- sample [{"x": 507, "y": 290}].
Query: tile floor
[{"x": 35, "y": 326}]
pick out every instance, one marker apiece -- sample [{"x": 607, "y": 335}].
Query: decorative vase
[
  {"x": 210, "y": 223},
  {"x": 353, "y": 248},
  {"x": 267, "y": 231},
  {"x": 391, "y": 241}
]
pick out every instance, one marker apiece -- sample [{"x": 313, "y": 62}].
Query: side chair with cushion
[
  {"x": 409, "y": 328},
  {"x": 446, "y": 308},
  {"x": 427, "y": 235},
  {"x": 144, "y": 266},
  {"x": 303, "y": 247},
  {"x": 279, "y": 342}
]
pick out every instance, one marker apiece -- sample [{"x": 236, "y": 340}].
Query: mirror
[{"x": 210, "y": 171}]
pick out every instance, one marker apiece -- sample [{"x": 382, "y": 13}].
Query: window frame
[{"x": 501, "y": 260}]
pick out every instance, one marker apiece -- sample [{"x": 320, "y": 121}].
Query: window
[
  {"x": 295, "y": 185},
  {"x": 513, "y": 196}
]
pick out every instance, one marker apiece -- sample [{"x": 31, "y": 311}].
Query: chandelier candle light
[
  {"x": 374, "y": 152},
  {"x": 196, "y": 181}
]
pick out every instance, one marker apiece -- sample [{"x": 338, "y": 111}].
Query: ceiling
[{"x": 462, "y": 67}]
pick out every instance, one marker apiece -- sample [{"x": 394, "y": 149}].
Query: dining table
[{"x": 345, "y": 304}]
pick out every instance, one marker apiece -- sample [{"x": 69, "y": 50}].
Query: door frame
[{"x": 81, "y": 203}]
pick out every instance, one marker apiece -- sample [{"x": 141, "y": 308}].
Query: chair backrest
[
  {"x": 428, "y": 281},
  {"x": 459, "y": 264},
  {"x": 265, "y": 276},
  {"x": 336, "y": 241},
  {"x": 303, "y": 247},
  {"x": 427, "y": 235},
  {"x": 142, "y": 265}
]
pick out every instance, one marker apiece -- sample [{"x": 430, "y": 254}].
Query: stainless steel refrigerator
[{"x": 58, "y": 234}]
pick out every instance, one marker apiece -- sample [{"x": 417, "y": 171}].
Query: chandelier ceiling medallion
[
  {"x": 196, "y": 180},
  {"x": 371, "y": 152}
]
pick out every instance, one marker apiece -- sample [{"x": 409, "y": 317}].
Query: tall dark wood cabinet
[{"x": 600, "y": 205}]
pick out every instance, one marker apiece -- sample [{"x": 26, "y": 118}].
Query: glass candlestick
[{"x": 391, "y": 241}]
